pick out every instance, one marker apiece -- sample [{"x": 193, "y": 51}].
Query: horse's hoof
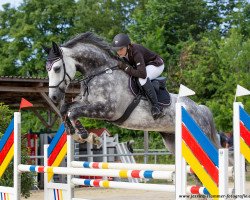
[
  {"x": 89, "y": 138},
  {"x": 97, "y": 142},
  {"x": 94, "y": 139},
  {"x": 78, "y": 138}
]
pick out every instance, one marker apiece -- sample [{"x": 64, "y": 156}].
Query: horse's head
[{"x": 61, "y": 70}]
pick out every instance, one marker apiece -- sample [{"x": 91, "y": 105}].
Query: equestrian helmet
[{"x": 120, "y": 40}]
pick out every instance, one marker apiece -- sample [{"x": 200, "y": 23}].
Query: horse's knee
[
  {"x": 64, "y": 109},
  {"x": 68, "y": 108},
  {"x": 72, "y": 115}
]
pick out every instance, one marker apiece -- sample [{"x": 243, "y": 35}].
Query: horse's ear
[
  {"x": 46, "y": 49},
  {"x": 56, "y": 48}
]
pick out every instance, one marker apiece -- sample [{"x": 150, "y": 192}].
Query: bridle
[
  {"x": 64, "y": 77},
  {"x": 85, "y": 80}
]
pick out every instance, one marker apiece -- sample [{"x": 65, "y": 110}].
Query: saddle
[
  {"x": 161, "y": 91},
  {"x": 159, "y": 84}
]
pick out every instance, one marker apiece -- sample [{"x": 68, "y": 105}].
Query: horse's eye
[{"x": 57, "y": 69}]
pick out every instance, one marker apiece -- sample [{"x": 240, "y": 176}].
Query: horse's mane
[{"x": 90, "y": 38}]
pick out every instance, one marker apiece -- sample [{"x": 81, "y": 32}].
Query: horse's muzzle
[{"x": 56, "y": 96}]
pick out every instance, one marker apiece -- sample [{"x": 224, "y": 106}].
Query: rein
[{"x": 87, "y": 79}]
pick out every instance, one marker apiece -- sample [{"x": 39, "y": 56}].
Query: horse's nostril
[{"x": 54, "y": 98}]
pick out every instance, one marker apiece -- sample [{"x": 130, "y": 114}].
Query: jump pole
[
  {"x": 17, "y": 155},
  {"x": 239, "y": 160},
  {"x": 241, "y": 136},
  {"x": 12, "y": 193}
]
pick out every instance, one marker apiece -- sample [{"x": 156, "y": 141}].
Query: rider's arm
[{"x": 140, "y": 70}]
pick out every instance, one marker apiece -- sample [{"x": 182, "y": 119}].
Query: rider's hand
[{"x": 121, "y": 65}]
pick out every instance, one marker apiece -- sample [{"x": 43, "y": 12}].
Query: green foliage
[
  {"x": 163, "y": 26},
  {"x": 24, "y": 30},
  {"x": 35, "y": 23},
  {"x": 106, "y": 18},
  {"x": 218, "y": 66},
  {"x": 205, "y": 45},
  {"x": 6, "y": 116}
]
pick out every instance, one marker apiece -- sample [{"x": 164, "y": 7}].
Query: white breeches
[{"x": 152, "y": 73}]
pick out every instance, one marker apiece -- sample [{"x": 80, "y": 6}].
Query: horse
[{"x": 105, "y": 94}]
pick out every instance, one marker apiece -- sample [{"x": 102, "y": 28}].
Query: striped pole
[
  {"x": 136, "y": 186},
  {"x": 123, "y": 185},
  {"x": 196, "y": 190},
  {"x": 136, "y": 166},
  {"x": 98, "y": 172},
  {"x": 104, "y": 165}
]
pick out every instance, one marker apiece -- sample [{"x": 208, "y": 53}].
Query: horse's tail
[{"x": 214, "y": 134}]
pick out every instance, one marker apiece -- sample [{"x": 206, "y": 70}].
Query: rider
[{"x": 146, "y": 66}]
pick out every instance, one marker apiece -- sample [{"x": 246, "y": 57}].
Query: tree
[
  {"x": 106, "y": 18},
  {"x": 7, "y": 20},
  {"x": 213, "y": 68},
  {"x": 163, "y": 26},
  {"x": 25, "y": 29}
]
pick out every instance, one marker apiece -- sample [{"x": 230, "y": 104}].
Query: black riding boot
[{"x": 156, "y": 110}]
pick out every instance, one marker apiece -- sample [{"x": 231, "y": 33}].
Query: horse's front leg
[
  {"x": 80, "y": 133},
  {"x": 72, "y": 125}
]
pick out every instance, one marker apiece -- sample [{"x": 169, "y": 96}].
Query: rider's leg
[{"x": 152, "y": 73}]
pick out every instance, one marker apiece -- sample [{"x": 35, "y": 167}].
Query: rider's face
[{"x": 122, "y": 52}]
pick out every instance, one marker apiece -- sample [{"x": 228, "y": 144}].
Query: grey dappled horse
[{"x": 106, "y": 96}]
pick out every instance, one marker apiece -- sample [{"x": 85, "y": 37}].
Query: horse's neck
[{"x": 91, "y": 59}]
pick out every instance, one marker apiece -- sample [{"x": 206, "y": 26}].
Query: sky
[{"x": 12, "y": 2}]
